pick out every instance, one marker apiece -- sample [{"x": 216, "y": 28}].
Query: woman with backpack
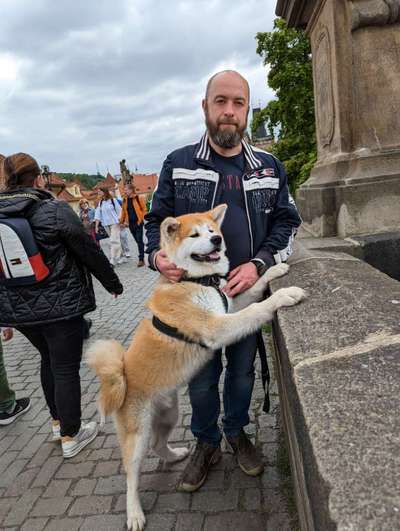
[
  {"x": 46, "y": 288},
  {"x": 107, "y": 213}
]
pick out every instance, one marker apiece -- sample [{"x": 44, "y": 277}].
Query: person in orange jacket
[{"x": 132, "y": 216}]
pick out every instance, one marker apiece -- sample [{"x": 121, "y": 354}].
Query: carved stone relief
[
  {"x": 324, "y": 90},
  {"x": 374, "y": 13}
]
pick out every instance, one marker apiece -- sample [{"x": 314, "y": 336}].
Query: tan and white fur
[{"x": 139, "y": 385}]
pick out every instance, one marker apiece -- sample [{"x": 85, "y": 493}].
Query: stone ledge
[{"x": 339, "y": 378}]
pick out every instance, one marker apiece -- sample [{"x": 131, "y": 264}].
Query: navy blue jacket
[{"x": 189, "y": 183}]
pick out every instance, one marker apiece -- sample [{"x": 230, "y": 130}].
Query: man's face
[
  {"x": 226, "y": 110},
  {"x": 128, "y": 191}
]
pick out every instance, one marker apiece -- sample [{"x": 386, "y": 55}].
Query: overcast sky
[{"x": 114, "y": 79}]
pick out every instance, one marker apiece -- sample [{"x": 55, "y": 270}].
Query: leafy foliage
[
  {"x": 288, "y": 54},
  {"x": 88, "y": 181}
]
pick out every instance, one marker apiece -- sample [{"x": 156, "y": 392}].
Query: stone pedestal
[{"x": 354, "y": 187}]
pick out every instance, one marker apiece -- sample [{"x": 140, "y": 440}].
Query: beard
[{"x": 226, "y": 138}]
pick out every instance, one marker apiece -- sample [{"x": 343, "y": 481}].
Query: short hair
[{"x": 225, "y": 72}]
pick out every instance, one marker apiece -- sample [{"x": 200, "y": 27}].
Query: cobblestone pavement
[{"x": 39, "y": 490}]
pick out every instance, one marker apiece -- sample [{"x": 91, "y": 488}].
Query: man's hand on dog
[
  {"x": 167, "y": 268},
  {"x": 241, "y": 278}
]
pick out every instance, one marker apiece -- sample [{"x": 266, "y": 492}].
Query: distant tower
[{"x": 261, "y": 133}]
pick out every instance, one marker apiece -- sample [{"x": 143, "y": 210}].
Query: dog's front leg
[
  {"x": 227, "y": 329},
  {"x": 257, "y": 292}
]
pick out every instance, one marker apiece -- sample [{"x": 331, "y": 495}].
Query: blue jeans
[
  {"x": 137, "y": 233},
  {"x": 238, "y": 387}
]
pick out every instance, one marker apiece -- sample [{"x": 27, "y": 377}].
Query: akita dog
[{"x": 190, "y": 321}]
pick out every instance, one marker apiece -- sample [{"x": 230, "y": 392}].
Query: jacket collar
[{"x": 203, "y": 153}]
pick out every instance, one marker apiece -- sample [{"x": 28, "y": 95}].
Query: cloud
[{"x": 121, "y": 79}]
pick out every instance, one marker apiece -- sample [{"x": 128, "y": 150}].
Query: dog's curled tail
[{"x": 106, "y": 358}]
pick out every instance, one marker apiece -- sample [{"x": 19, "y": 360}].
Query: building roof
[
  {"x": 64, "y": 195},
  {"x": 55, "y": 180},
  {"x": 145, "y": 184},
  {"x": 109, "y": 182}
]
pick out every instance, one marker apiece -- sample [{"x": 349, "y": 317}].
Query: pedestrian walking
[
  {"x": 86, "y": 215},
  {"x": 132, "y": 215},
  {"x": 107, "y": 213},
  {"x": 10, "y": 407},
  {"x": 258, "y": 229},
  {"x": 48, "y": 310}
]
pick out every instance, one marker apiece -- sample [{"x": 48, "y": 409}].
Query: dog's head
[{"x": 194, "y": 242}]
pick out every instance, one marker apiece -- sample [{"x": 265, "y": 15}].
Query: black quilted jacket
[{"x": 70, "y": 254}]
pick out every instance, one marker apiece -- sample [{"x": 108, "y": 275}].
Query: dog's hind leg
[
  {"x": 165, "y": 417},
  {"x": 134, "y": 446}
]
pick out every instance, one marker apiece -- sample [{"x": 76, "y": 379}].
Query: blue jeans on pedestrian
[
  {"x": 137, "y": 233},
  {"x": 238, "y": 387}
]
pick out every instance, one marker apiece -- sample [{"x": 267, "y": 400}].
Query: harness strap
[
  {"x": 211, "y": 281},
  {"x": 265, "y": 376},
  {"x": 171, "y": 331}
]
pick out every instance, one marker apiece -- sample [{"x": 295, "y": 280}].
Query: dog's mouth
[{"x": 214, "y": 256}]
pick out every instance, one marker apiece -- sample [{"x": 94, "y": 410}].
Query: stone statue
[{"x": 125, "y": 175}]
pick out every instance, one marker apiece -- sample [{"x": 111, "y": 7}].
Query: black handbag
[{"x": 101, "y": 233}]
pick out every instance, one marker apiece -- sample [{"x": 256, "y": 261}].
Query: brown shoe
[
  {"x": 140, "y": 263},
  {"x": 246, "y": 453},
  {"x": 196, "y": 470}
]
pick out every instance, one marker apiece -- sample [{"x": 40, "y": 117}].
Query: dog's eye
[
  {"x": 210, "y": 230},
  {"x": 195, "y": 235}
]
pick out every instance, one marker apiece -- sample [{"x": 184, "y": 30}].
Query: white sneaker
[
  {"x": 121, "y": 260},
  {"x": 55, "y": 431},
  {"x": 112, "y": 261},
  {"x": 73, "y": 445},
  {"x": 127, "y": 255}
]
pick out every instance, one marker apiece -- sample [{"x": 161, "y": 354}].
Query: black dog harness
[{"x": 171, "y": 331}]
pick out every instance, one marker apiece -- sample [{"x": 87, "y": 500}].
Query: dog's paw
[
  {"x": 276, "y": 271},
  {"x": 136, "y": 521},
  {"x": 178, "y": 454},
  {"x": 289, "y": 296}
]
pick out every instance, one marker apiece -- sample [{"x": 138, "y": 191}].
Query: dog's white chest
[{"x": 210, "y": 300}]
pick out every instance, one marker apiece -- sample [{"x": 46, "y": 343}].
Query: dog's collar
[
  {"x": 212, "y": 281},
  {"x": 171, "y": 331},
  {"x": 207, "y": 280}
]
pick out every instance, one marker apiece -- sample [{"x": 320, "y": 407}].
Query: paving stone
[
  {"x": 190, "y": 522},
  {"x": 160, "y": 522},
  {"x": 51, "y": 507},
  {"x": 271, "y": 478},
  {"x": 91, "y": 505},
  {"x": 246, "y": 521},
  {"x": 84, "y": 487},
  {"x": 11, "y": 472},
  {"x": 111, "y": 485},
  {"x": 22, "y": 507},
  {"x": 34, "y": 524},
  {"x": 251, "y": 500},
  {"x": 280, "y": 522},
  {"x": 105, "y": 522},
  {"x": 159, "y": 481},
  {"x": 214, "y": 501},
  {"x": 22, "y": 482},
  {"x": 147, "y": 499},
  {"x": 100, "y": 454},
  {"x": 47, "y": 471},
  {"x": 107, "y": 468},
  {"x": 178, "y": 501},
  {"x": 64, "y": 524},
  {"x": 57, "y": 488},
  {"x": 75, "y": 470}
]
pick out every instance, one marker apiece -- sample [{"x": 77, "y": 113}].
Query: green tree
[
  {"x": 291, "y": 115},
  {"x": 89, "y": 181}
]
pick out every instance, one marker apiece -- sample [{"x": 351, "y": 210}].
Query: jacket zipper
[{"x": 248, "y": 217}]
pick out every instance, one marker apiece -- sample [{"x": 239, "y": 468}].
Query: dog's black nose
[{"x": 216, "y": 240}]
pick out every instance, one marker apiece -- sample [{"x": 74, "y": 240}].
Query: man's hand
[
  {"x": 241, "y": 278},
  {"x": 167, "y": 268},
  {"x": 7, "y": 334}
]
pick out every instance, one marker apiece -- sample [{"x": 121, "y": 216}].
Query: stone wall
[{"x": 339, "y": 378}]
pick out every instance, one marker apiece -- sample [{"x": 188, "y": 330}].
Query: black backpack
[{"x": 21, "y": 263}]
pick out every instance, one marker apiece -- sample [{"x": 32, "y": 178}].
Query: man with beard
[{"x": 258, "y": 228}]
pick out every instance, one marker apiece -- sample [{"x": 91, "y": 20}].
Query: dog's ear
[
  {"x": 218, "y": 213},
  {"x": 169, "y": 227}
]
